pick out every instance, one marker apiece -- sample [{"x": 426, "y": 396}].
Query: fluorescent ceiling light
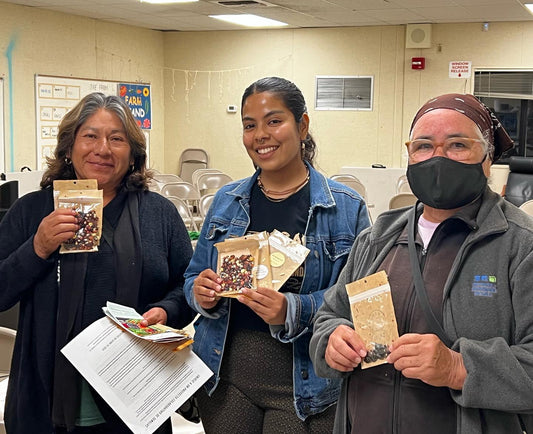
[
  {"x": 167, "y": 1},
  {"x": 249, "y": 20},
  {"x": 529, "y": 6}
]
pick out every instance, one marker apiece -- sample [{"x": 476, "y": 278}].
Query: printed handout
[{"x": 142, "y": 381}]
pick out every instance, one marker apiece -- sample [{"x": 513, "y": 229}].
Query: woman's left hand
[
  {"x": 269, "y": 304},
  {"x": 155, "y": 315}
]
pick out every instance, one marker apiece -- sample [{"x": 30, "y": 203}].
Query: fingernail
[{"x": 362, "y": 353}]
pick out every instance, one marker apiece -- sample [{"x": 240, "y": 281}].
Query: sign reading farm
[{"x": 137, "y": 98}]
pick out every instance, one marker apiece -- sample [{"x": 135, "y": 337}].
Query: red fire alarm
[{"x": 418, "y": 62}]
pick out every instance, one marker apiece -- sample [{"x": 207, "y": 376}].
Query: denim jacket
[{"x": 336, "y": 216}]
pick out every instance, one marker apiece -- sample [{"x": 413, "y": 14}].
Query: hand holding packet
[
  {"x": 373, "y": 316},
  {"x": 84, "y": 198},
  {"x": 260, "y": 259}
]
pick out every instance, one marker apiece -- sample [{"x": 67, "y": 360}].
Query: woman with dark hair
[
  {"x": 140, "y": 262},
  {"x": 257, "y": 344}
]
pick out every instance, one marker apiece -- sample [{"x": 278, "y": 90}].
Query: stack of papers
[{"x": 143, "y": 381}]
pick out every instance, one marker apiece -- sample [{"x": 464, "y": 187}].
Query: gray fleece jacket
[{"x": 487, "y": 312}]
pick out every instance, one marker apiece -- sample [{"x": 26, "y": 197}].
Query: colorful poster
[{"x": 137, "y": 97}]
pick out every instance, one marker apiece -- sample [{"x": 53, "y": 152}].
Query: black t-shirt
[{"x": 288, "y": 216}]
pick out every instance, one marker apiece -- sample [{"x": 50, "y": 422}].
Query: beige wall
[
  {"x": 207, "y": 71},
  {"x": 196, "y": 75},
  {"x": 50, "y": 43}
]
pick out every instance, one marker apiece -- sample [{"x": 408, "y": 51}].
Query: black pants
[{"x": 255, "y": 392}]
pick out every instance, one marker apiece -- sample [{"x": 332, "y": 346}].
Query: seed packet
[
  {"x": 373, "y": 316},
  {"x": 262, "y": 269},
  {"x": 88, "y": 205},
  {"x": 63, "y": 185},
  {"x": 236, "y": 261},
  {"x": 286, "y": 255}
]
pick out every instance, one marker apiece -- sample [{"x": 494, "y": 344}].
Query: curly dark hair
[
  {"x": 136, "y": 178},
  {"x": 293, "y": 98}
]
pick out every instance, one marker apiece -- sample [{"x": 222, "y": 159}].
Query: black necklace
[{"x": 285, "y": 193}]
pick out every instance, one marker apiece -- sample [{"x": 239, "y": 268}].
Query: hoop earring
[{"x": 68, "y": 161}]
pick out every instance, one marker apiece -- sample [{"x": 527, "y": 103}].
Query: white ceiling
[{"x": 297, "y": 13}]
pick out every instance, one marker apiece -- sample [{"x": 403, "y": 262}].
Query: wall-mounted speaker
[{"x": 418, "y": 36}]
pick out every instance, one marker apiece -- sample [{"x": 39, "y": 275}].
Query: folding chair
[
  {"x": 191, "y": 222},
  {"x": 204, "y": 204},
  {"x": 192, "y": 159},
  {"x": 196, "y": 174},
  {"x": 352, "y": 182},
  {"x": 185, "y": 191},
  {"x": 211, "y": 182},
  {"x": 527, "y": 207},
  {"x": 401, "y": 200},
  {"x": 7, "y": 343},
  {"x": 166, "y": 177},
  {"x": 402, "y": 185}
]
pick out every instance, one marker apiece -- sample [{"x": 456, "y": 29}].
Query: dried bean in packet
[
  {"x": 262, "y": 270},
  {"x": 236, "y": 260},
  {"x": 88, "y": 205},
  {"x": 373, "y": 316},
  {"x": 286, "y": 255}
]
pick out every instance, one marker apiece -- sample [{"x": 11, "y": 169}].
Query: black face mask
[{"x": 443, "y": 183}]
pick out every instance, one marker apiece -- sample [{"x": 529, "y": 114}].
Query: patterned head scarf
[{"x": 479, "y": 113}]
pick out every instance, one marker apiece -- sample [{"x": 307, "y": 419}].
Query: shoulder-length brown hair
[{"x": 60, "y": 167}]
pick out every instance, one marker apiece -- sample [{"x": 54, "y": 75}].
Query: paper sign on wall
[{"x": 460, "y": 69}]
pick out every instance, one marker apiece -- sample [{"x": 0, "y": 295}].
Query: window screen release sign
[
  {"x": 460, "y": 69},
  {"x": 137, "y": 98}
]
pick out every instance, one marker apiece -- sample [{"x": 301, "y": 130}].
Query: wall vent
[{"x": 344, "y": 92}]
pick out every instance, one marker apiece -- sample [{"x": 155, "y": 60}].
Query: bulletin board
[
  {"x": 54, "y": 97},
  {"x": 2, "y": 134}
]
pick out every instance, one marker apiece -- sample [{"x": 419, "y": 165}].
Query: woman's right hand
[
  {"x": 206, "y": 288},
  {"x": 56, "y": 228},
  {"x": 345, "y": 349}
]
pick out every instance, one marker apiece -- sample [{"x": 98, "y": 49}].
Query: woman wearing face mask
[
  {"x": 257, "y": 345},
  {"x": 460, "y": 266}
]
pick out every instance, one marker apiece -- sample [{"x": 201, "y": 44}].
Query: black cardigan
[{"x": 27, "y": 278}]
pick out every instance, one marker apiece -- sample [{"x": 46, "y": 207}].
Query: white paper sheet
[{"x": 144, "y": 382}]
